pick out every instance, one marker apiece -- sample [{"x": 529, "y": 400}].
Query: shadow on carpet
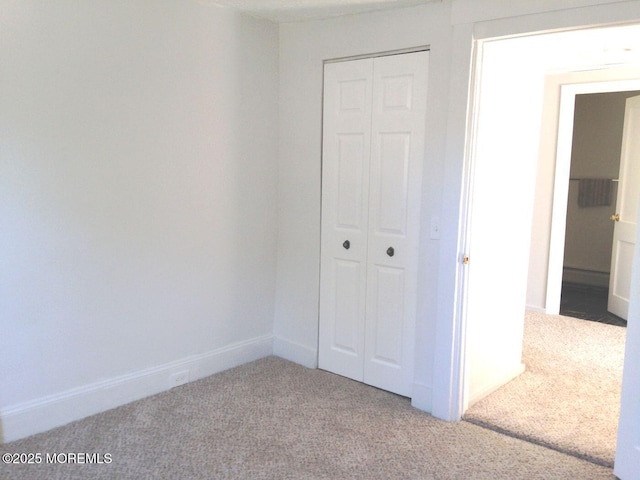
[{"x": 568, "y": 398}]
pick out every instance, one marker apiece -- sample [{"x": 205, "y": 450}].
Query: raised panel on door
[
  {"x": 392, "y": 179},
  {"x": 345, "y": 191},
  {"x": 620, "y": 280},
  {"x": 345, "y": 307},
  {"x": 387, "y": 314},
  {"x": 397, "y": 154}
]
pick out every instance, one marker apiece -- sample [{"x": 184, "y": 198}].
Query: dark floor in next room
[{"x": 588, "y": 303}]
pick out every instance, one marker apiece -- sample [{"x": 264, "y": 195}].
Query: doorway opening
[
  {"x": 591, "y": 203},
  {"x": 569, "y": 358},
  {"x": 499, "y": 284}
]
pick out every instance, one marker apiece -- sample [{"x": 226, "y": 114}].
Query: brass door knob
[{"x": 615, "y": 218}]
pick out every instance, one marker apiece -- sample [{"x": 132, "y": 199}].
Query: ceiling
[
  {"x": 590, "y": 48},
  {"x": 299, "y": 10}
]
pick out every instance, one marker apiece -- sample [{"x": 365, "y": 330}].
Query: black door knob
[
  {"x": 346, "y": 244},
  {"x": 390, "y": 251}
]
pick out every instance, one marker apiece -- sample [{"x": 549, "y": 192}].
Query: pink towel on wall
[{"x": 594, "y": 192}]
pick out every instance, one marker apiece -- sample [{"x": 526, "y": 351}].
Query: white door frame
[
  {"x": 450, "y": 376},
  {"x": 619, "y": 80}
]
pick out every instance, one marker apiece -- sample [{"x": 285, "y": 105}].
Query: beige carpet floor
[
  {"x": 272, "y": 419},
  {"x": 569, "y": 396}
]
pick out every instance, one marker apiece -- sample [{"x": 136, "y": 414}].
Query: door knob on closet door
[
  {"x": 615, "y": 218},
  {"x": 346, "y": 244},
  {"x": 390, "y": 251}
]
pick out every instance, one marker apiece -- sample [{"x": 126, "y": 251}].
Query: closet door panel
[
  {"x": 397, "y": 153},
  {"x": 373, "y": 148},
  {"x": 345, "y": 192}
]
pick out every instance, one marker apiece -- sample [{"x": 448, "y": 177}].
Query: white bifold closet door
[{"x": 373, "y": 150}]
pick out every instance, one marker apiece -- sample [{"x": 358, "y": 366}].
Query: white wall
[
  {"x": 303, "y": 47},
  {"x": 138, "y": 145}
]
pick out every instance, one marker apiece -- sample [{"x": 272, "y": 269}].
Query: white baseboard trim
[
  {"x": 505, "y": 378},
  {"x": 585, "y": 277},
  {"x": 422, "y": 397},
  {"x": 294, "y": 352},
  {"x": 35, "y": 416},
  {"x": 531, "y": 308}
]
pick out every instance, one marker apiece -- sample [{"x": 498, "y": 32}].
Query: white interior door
[
  {"x": 627, "y": 463},
  {"x": 346, "y": 148},
  {"x": 373, "y": 149},
  {"x": 397, "y": 152},
  {"x": 624, "y": 232},
  {"x": 498, "y": 233}
]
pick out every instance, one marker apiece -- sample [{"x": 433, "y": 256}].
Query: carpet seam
[{"x": 541, "y": 443}]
